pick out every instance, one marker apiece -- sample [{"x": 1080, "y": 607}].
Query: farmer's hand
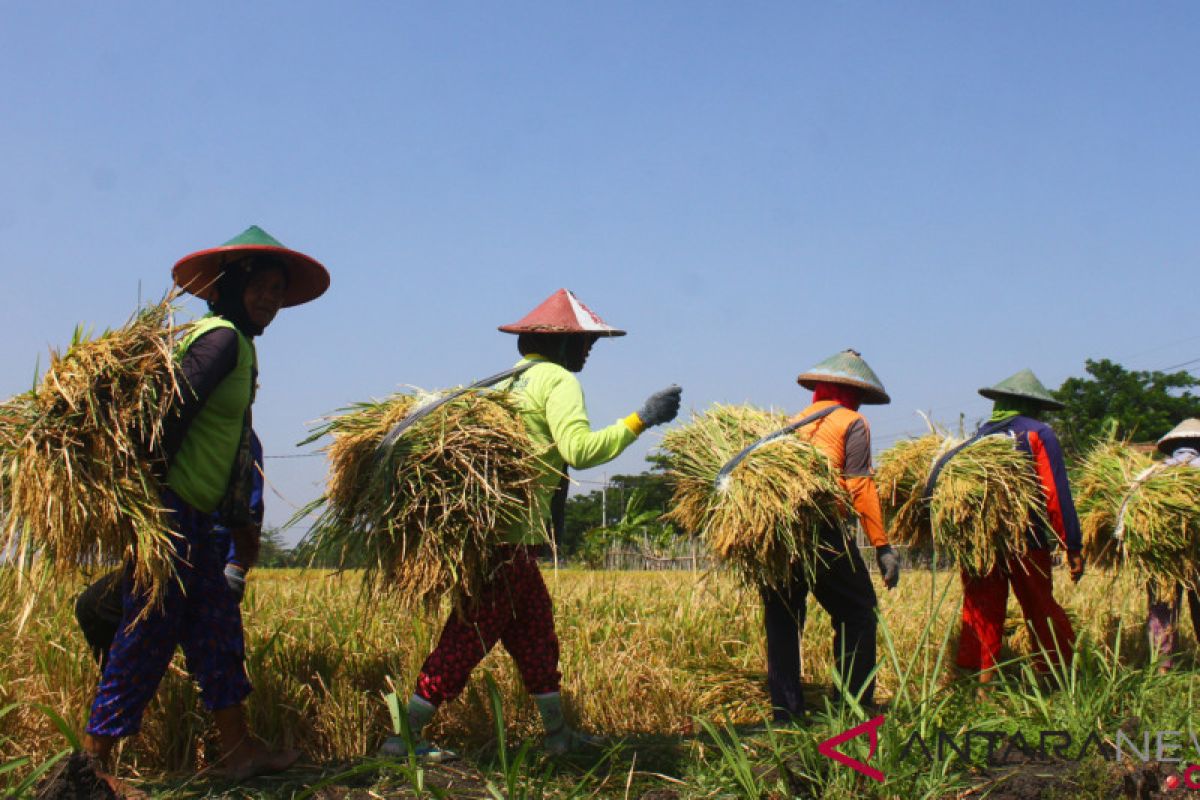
[
  {"x": 1075, "y": 563},
  {"x": 660, "y": 407},
  {"x": 235, "y": 578},
  {"x": 246, "y": 542},
  {"x": 889, "y": 565}
]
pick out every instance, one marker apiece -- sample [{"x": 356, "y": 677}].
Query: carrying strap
[
  {"x": 931, "y": 483},
  {"x": 722, "y": 478},
  {"x": 419, "y": 413}
]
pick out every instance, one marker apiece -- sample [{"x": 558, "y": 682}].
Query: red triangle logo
[{"x": 828, "y": 748}]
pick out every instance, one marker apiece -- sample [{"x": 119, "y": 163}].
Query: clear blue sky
[{"x": 958, "y": 190}]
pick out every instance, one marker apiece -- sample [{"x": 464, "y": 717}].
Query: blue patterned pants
[{"x": 199, "y": 613}]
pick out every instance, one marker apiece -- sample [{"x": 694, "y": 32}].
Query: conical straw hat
[
  {"x": 849, "y": 369},
  {"x": 1188, "y": 429},
  {"x": 198, "y": 272},
  {"x": 1025, "y": 386},
  {"x": 562, "y": 312}
]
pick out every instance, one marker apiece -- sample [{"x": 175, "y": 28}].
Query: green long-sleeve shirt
[{"x": 552, "y": 406}]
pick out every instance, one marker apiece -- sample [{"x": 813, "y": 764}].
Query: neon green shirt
[
  {"x": 552, "y": 406},
  {"x": 200, "y": 471}
]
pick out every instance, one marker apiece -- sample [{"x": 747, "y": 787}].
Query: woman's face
[{"x": 264, "y": 295}]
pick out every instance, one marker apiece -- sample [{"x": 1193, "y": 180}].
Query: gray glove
[
  {"x": 661, "y": 406},
  {"x": 889, "y": 565},
  {"x": 235, "y": 578}
]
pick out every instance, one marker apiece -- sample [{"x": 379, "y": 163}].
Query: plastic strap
[{"x": 723, "y": 475}]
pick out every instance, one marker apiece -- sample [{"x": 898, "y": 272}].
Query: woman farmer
[
  {"x": 1019, "y": 401},
  {"x": 99, "y": 608},
  {"x": 842, "y": 585},
  {"x": 1182, "y": 448},
  {"x": 207, "y": 471},
  {"x": 515, "y": 609}
]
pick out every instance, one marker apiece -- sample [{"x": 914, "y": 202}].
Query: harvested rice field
[{"x": 669, "y": 667}]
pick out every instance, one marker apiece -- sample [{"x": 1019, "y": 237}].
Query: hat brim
[
  {"x": 610, "y": 332},
  {"x": 1044, "y": 402},
  {"x": 198, "y": 273},
  {"x": 872, "y": 395},
  {"x": 1166, "y": 445}
]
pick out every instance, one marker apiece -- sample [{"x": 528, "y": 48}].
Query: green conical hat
[
  {"x": 198, "y": 273},
  {"x": 849, "y": 369},
  {"x": 1188, "y": 429},
  {"x": 1025, "y": 386}
]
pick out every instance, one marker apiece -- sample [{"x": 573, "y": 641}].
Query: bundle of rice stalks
[
  {"x": 987, "y": 497},
  {"x": 74, "y": 452},
  {"x": 1101, "y": 483},
  {"x": 903, "y": 471},
  {"x": 1162, "y": 525},
  {"x": 765, "y": 521},
  {"x": 427, "y": 516}
]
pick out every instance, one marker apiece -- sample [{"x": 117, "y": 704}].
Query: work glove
[
  {"x": 235, "y": 578},
  {"x": 889, "y": 565},
  {"x": 661, "y": 406},
  {"x": 1075, "y": 564}
]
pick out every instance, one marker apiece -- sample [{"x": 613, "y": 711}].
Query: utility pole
[{"x": 603, "y": 499}]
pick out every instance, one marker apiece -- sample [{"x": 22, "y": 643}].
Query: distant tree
[
  {"x": 1143, "y": 405},
  {"x": 274, "y": 551},
  {"x": 583, "y": 511}
]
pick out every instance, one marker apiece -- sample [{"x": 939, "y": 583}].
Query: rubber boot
[
  {"x": 561, "y": 738},
  {"x": 419, "y": 712}
]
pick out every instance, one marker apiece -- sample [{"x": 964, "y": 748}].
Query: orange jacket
[{"x": 845, "y": 438}]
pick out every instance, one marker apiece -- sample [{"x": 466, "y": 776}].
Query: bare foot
[
  {"x": 120, "y": 788},
  {"x": 252, "y": 758}
]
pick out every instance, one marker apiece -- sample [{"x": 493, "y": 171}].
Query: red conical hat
[{"x": 562, "y": 312}]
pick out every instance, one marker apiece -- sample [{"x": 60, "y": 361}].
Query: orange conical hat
[{"x": 562, "y": 312}]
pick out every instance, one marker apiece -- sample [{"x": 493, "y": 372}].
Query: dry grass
[
  {"x": 1100, "y": 485},
  {"x": 426, "y": 517},
  {"x": 642, "y": 653},
  {"x": 765, "y": 521},
  {"x": 903, "y": 471},
  {"x": 1162, "y": 525},
  {"x": 77, "y": 487}
]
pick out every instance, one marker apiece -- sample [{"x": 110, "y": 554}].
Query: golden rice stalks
[
  {"x": 903, "y": 470},
  {"x": 765, "y": 523},
  {"x": 1100, "y": 486},
  {"x": 76, "y": 487},
  {"x": 987, "y": 497},
  {"x": 1162, "y": 525},
  {"x": 428, "y": 516}
]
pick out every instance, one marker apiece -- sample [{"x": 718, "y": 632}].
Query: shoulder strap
[
  {"x": 419, "y": 413},
  {"x": 987, "y": 429},
  {"x": 722, "y": 479}
]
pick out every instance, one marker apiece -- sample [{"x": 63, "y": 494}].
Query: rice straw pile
[
  {"x": 1101, "y": 483},
  {"x": 765, "y": 522},
  {"x": 1162, "y": 525},
  {"x": 74, "y": 452},
  {"x": 987, "y": 497},
  {"x": 426, "y": 517},
  {"x": 903, "y": 471}
]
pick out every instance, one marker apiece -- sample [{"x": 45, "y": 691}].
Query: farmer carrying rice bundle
[
  {"x": 841, "y": 582},
  {"x": 514, "y": 605},
  {"x": 1018, "y": 402},
  {"x": 208, "y": 471},
  {"x": 1160, "y": 525}
]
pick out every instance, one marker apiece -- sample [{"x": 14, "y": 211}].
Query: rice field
[{"x": 669, "y": 666}]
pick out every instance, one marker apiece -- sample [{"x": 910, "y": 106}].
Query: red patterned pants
[
  {"x": 986, "y": 598},
  {"x": 515, "y": 610}
]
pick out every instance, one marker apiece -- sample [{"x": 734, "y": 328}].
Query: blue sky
[{"x": 956, "y": 190}]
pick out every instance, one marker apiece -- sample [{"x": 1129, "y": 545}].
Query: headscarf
[
  {"x": 845, "y": 396},
  {"x": 1005, "y": 408}
]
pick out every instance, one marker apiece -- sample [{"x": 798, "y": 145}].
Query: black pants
[
  {"x": 843, "y": 587},
  {"x": 98, "y": 611}
]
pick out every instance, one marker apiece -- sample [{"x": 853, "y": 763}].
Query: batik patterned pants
[{"x": 201, "y": 616}]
